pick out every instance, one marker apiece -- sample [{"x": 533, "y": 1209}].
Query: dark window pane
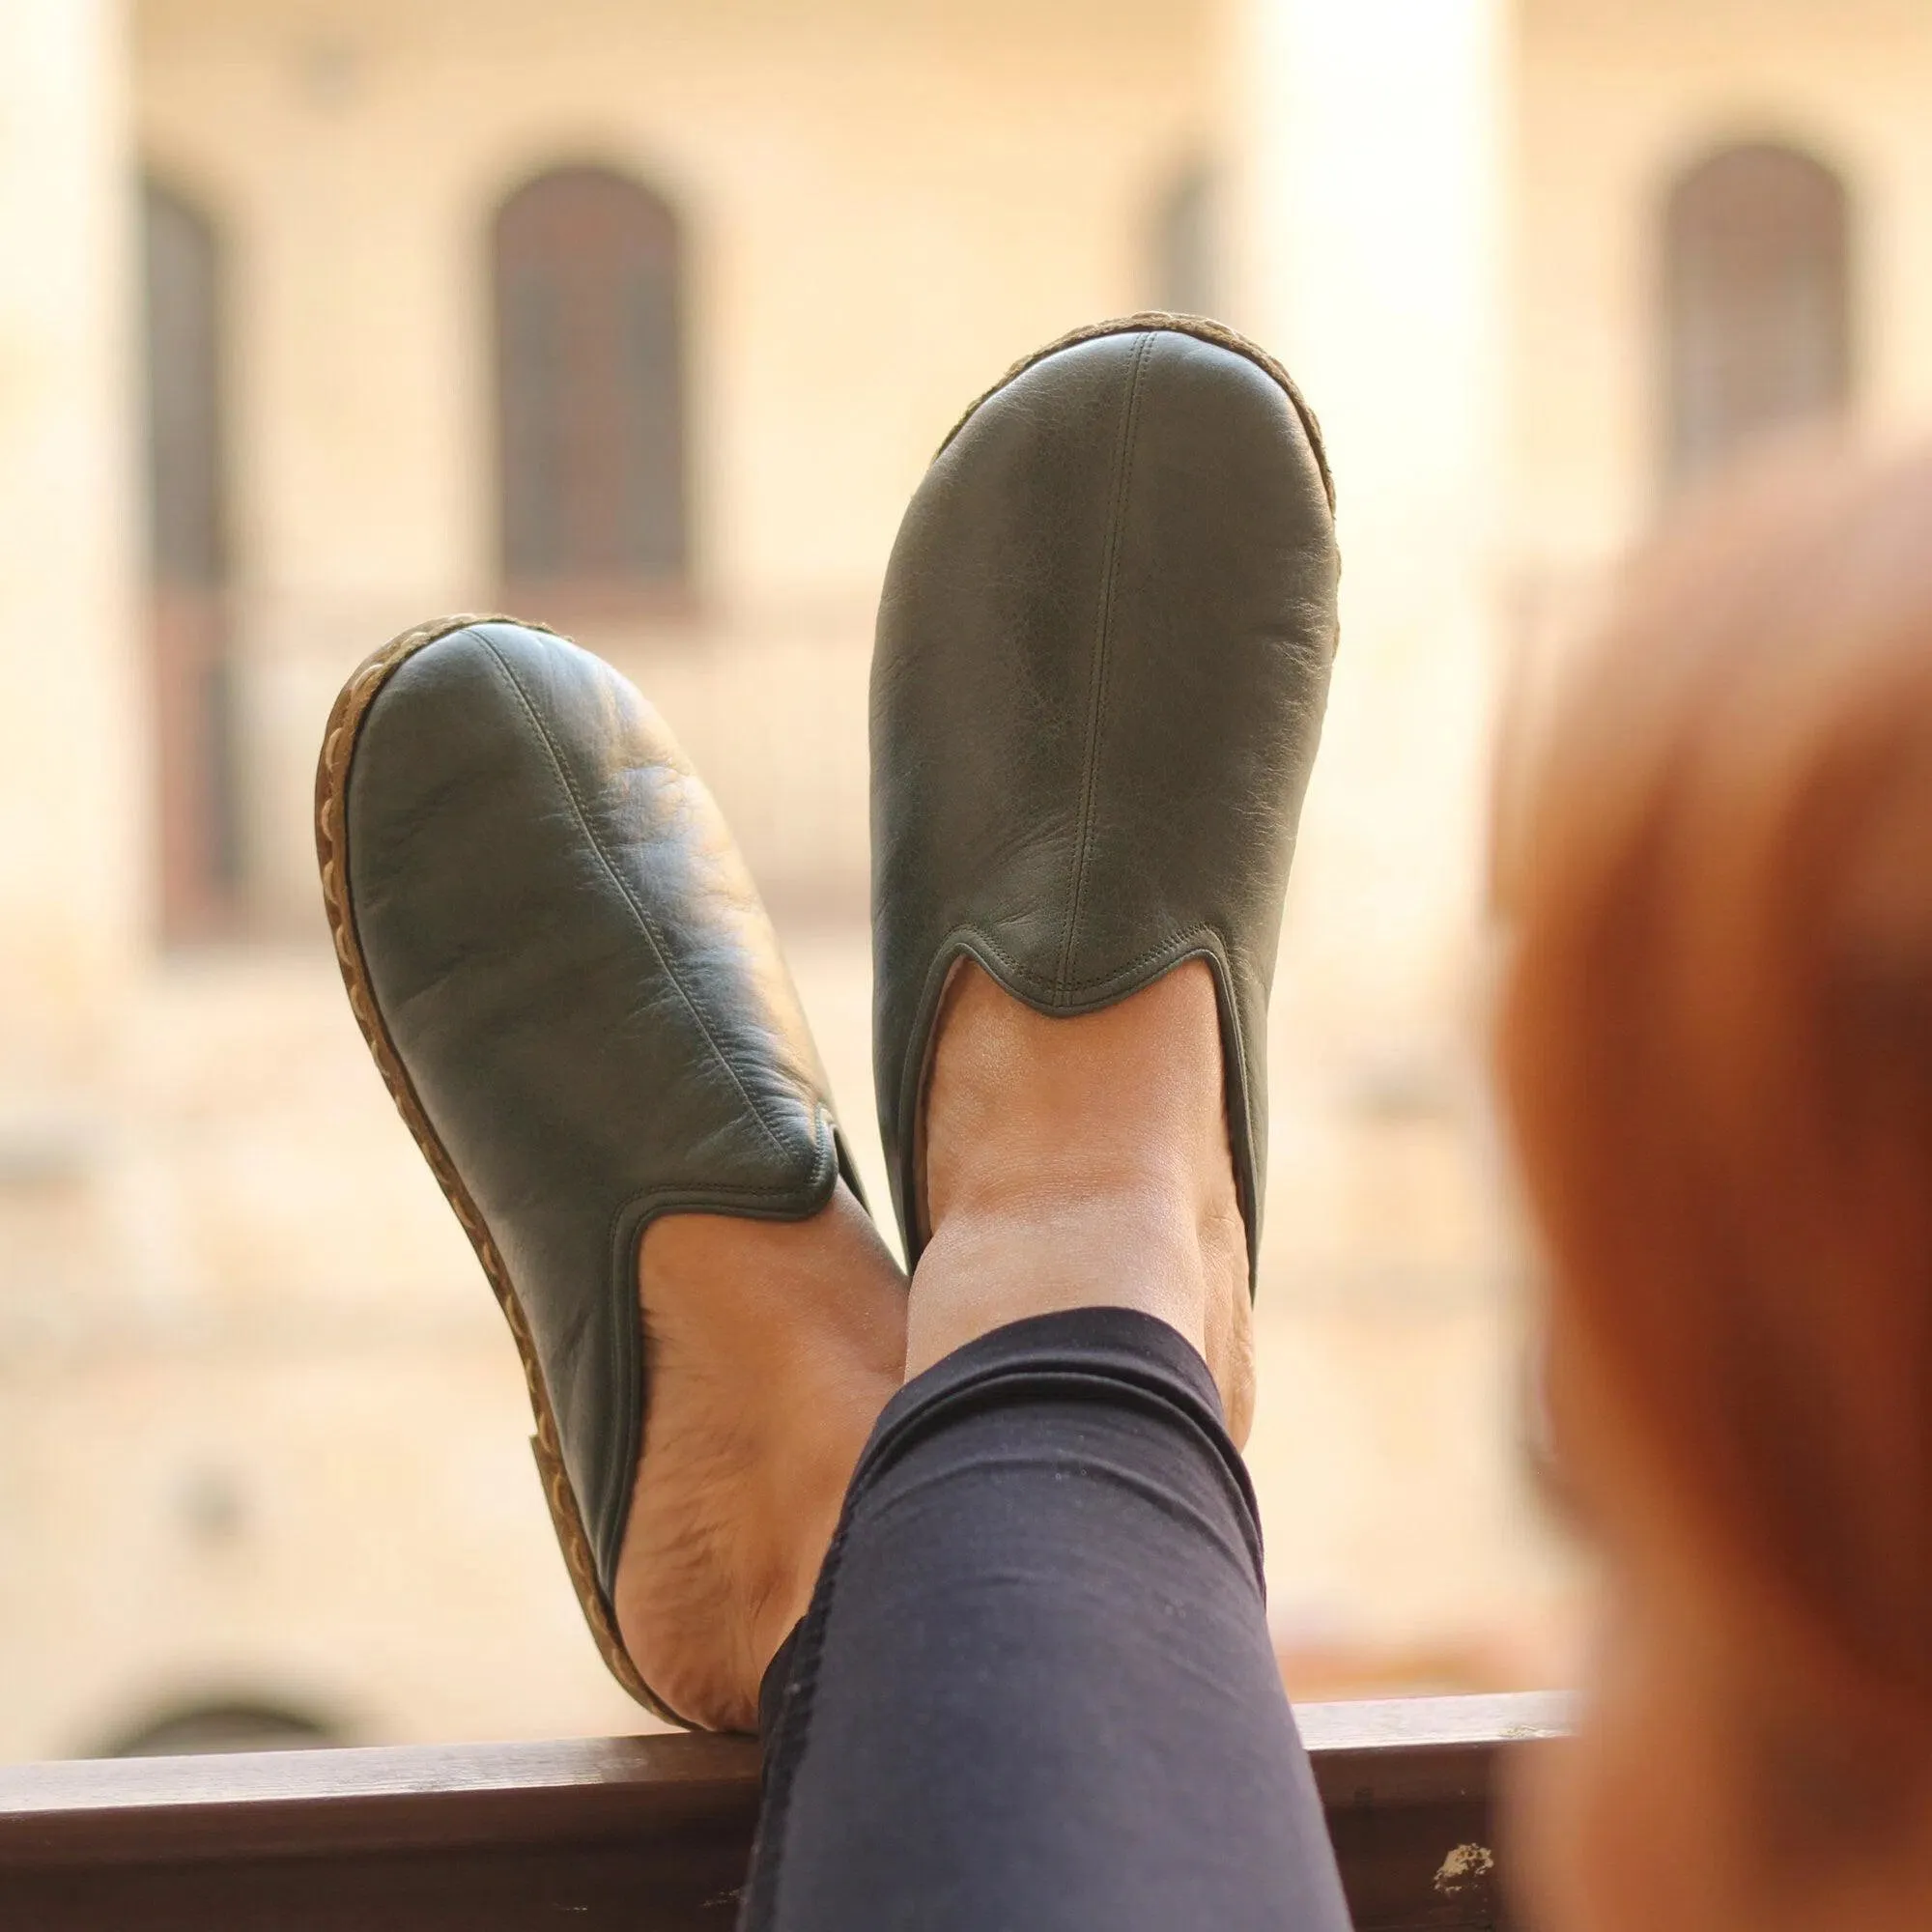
[
  {"x": 202, "y": 1728},
  {"x": 182, "y": 315},
  {"x": 1757, "y": 291},
  {"x": 591, "y": 389},
  {"x": 184, "y": 355}
]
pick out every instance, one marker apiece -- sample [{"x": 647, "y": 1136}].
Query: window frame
[
  {"x": 1693, "y": 201},
  {"x": 571, "y": 590}
]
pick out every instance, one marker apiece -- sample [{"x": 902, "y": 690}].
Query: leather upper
[
  {"x": 577, "y": 974},
  {"x": 1102, "y": 657}
]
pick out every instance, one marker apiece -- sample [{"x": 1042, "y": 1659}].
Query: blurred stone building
[{"x": 643, "y": 316}]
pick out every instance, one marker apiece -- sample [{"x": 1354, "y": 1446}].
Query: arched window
[
  {"x": 187, "y": 563},
  {"x": 590, "y": 390},
  {"x": 1186, "y": 278},
  {"x": 1757, "y": 290},
  {"x": 226, "y": 1725}
]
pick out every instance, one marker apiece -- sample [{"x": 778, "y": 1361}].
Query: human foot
[
  {"x": 563, "y": 968},
  {"x": 1083, "y": 1162},
  {"x": 1121, "y": 571},
  {"x": 771, "y": 1348}
]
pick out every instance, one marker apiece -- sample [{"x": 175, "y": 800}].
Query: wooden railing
[{"x": 643, "y": 1833}]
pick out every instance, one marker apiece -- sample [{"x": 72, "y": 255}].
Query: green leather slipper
[
  {"x": 1102, "y": 659},
  {"x": 568, "y": 981}
]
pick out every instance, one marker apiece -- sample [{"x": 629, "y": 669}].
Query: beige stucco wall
[{"x": 72, "y": 749}]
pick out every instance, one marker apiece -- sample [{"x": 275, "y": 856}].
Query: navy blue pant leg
[{"x": 1036, "y": 1689}]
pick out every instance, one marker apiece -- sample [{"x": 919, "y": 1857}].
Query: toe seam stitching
[
  {"x": 645, "y": 922},
  {"x": 1104, "y": 639}
]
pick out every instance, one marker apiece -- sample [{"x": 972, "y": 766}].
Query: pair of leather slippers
[{"x": 1104, "y": 650}]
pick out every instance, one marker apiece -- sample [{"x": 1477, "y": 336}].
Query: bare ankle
[
  {"x": 988, "y": 1265},
  {"x": 1083, "y": 1162},
  {"x": 772, "y": 1347}
]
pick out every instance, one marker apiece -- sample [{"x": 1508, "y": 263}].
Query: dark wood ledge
[{"x": 638, "y": 1832}]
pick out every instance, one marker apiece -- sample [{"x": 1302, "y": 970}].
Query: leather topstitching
[
  {"x": 638, "y": 912},
  {"x": 1123, "y": 453}
]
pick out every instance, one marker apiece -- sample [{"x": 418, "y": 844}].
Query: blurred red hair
[{"x": 1715, "y": 1037}]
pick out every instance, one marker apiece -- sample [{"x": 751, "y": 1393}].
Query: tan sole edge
[
  {"x": 332, "y": 777},
  {"x": 1203, "y": 329}
]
